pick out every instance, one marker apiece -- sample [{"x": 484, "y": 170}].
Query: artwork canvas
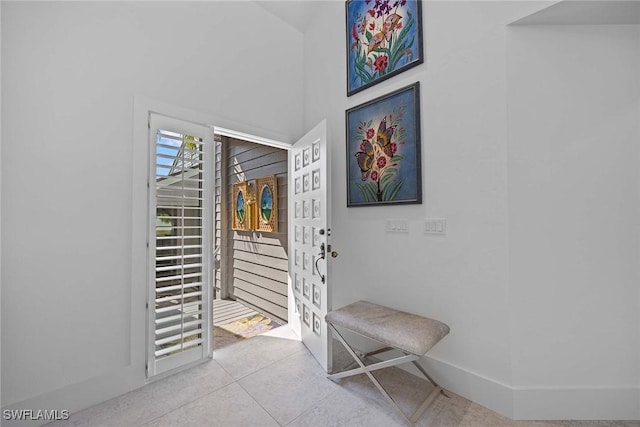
[
  {"x": 384, "y": 38},
  {"x": 241, "y": 207},
  {"x": 267, "y": 203},
  {"x": 383, "y": 150}
]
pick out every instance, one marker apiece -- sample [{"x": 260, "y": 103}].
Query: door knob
[{"x": 334, "y": 254}]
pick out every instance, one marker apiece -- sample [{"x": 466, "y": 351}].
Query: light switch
[
  {"x": 397, "y": 226},
  {"x": 435, "y": 226}
]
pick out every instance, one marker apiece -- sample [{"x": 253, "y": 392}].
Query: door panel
[
  {"x": 179, "y": 241},
  {"x": 309, "y": 231}
]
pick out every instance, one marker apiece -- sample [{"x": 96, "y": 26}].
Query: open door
[{"x": 309, "y": 248}]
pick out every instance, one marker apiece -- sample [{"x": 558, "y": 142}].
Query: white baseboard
[
  {"x": 530, "y": 403},
  {"x": 479, "y": 389},
  {"x": 540, "y": 403},
  {"x": 78, "y": 396},
  {"x": 568, "y": 403}
]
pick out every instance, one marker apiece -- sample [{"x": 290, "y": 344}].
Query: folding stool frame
[{"x": 367, "y": 369}]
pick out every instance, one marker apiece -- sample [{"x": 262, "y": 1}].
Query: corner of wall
[
  {"x": 0, "y": 194},
  {"x": 638, "y": 53},
  {"x": 554, "y": 362},
  {"x": 477, "y": 388}
]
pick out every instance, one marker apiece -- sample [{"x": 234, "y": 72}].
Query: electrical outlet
[{"x": 435, "y": 226}]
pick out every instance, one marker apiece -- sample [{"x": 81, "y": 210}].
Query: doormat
[{"x": 241, "y": 330}]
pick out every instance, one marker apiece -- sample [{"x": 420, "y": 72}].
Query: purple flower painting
[{"x": 384, "y": 38}]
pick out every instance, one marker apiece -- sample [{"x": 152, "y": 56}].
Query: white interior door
[
  {"x": 180, "y": 243},
  {"x": 309, "y": 250}
]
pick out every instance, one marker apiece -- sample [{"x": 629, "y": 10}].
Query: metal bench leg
[
  {"x": 428, "y": 377},
  {"x": 367, "y": 369},
  {"x": 364, "y": 369}
]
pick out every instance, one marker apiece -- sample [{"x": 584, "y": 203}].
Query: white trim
[
  {"x": 81, "y": 395},
  {"x": 252, "y": 138},
  {"x": 485, "y": 391},
  {"x": 222, "y": 125},
  {"x": 576, "y": 403},
  {"x": 537, "y": 403}
]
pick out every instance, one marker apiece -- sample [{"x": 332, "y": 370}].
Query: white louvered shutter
[{"x": 180, "y": 207}]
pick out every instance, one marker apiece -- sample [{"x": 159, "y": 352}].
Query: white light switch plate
[
  {"x": 435, "y": 226},
  {"x": 396, "y": 226}
]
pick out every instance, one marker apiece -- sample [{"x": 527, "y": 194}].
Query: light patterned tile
[
  {"x": 153, "y": 400},
  {"x": 479, "y": 415},
  {"x": 289, "y": 387},
  {"x": 279, "y": 383},
  {"x": 249, "y": 356},
  {"x": 408, "y": 391},
  {"x": 538, "y": 424},
  {"x": 345, "y": 408},
  {"x": 227, "y": 407}
]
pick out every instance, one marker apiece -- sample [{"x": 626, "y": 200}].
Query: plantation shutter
[{"x": 179, "y": 243}]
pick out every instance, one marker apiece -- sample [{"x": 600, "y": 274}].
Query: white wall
[
  {"x": 0, "y": 195},
  {"x": 574, "y": 219},
  {"x": 464, "y": 277},
  {"x": 70, "y": 72}
]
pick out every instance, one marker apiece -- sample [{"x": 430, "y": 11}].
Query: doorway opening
[
  {"x": 186, "y": 212},
  {"x": 250, "y": 266}
]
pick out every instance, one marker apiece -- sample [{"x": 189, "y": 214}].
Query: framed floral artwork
[
  {"x": 267, "y": 203},
  {"x": 384, "y": 38},
  {"x": 383, "y": 150},
  {"x": 241, "y": 207}
]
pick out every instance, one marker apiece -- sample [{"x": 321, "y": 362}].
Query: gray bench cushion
[{"x": 409, "y": 332}]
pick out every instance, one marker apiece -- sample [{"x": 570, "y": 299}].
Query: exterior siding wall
[{"x": 253, "y": 266}]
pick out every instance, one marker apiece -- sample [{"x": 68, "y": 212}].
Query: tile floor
[{"x": 272, "y": 380}]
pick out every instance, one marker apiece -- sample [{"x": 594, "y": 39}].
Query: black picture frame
[
  {"x": 383, "y": 39},
  {"x": 384, "y": 153}
]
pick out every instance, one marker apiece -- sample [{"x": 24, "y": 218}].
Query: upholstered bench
[{"x": 413, "y": 335}]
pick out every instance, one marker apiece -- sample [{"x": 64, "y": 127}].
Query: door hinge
[{"x": 147, "y": 304}]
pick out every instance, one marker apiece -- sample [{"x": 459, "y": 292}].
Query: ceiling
[
  {"x": 297, "y": 13},
  {"x": 591, "y": 12},
  {"x": 300, "y": 13}
]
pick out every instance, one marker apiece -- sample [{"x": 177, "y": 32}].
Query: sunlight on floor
[{"x": 284, "y": 332}]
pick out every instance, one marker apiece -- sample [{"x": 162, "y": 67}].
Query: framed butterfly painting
[
  {"x": 384, "y": 38},
  {"x": 383, "y": 150}
]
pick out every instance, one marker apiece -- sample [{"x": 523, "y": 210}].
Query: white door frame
[{"x": 143, "y": 106}]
